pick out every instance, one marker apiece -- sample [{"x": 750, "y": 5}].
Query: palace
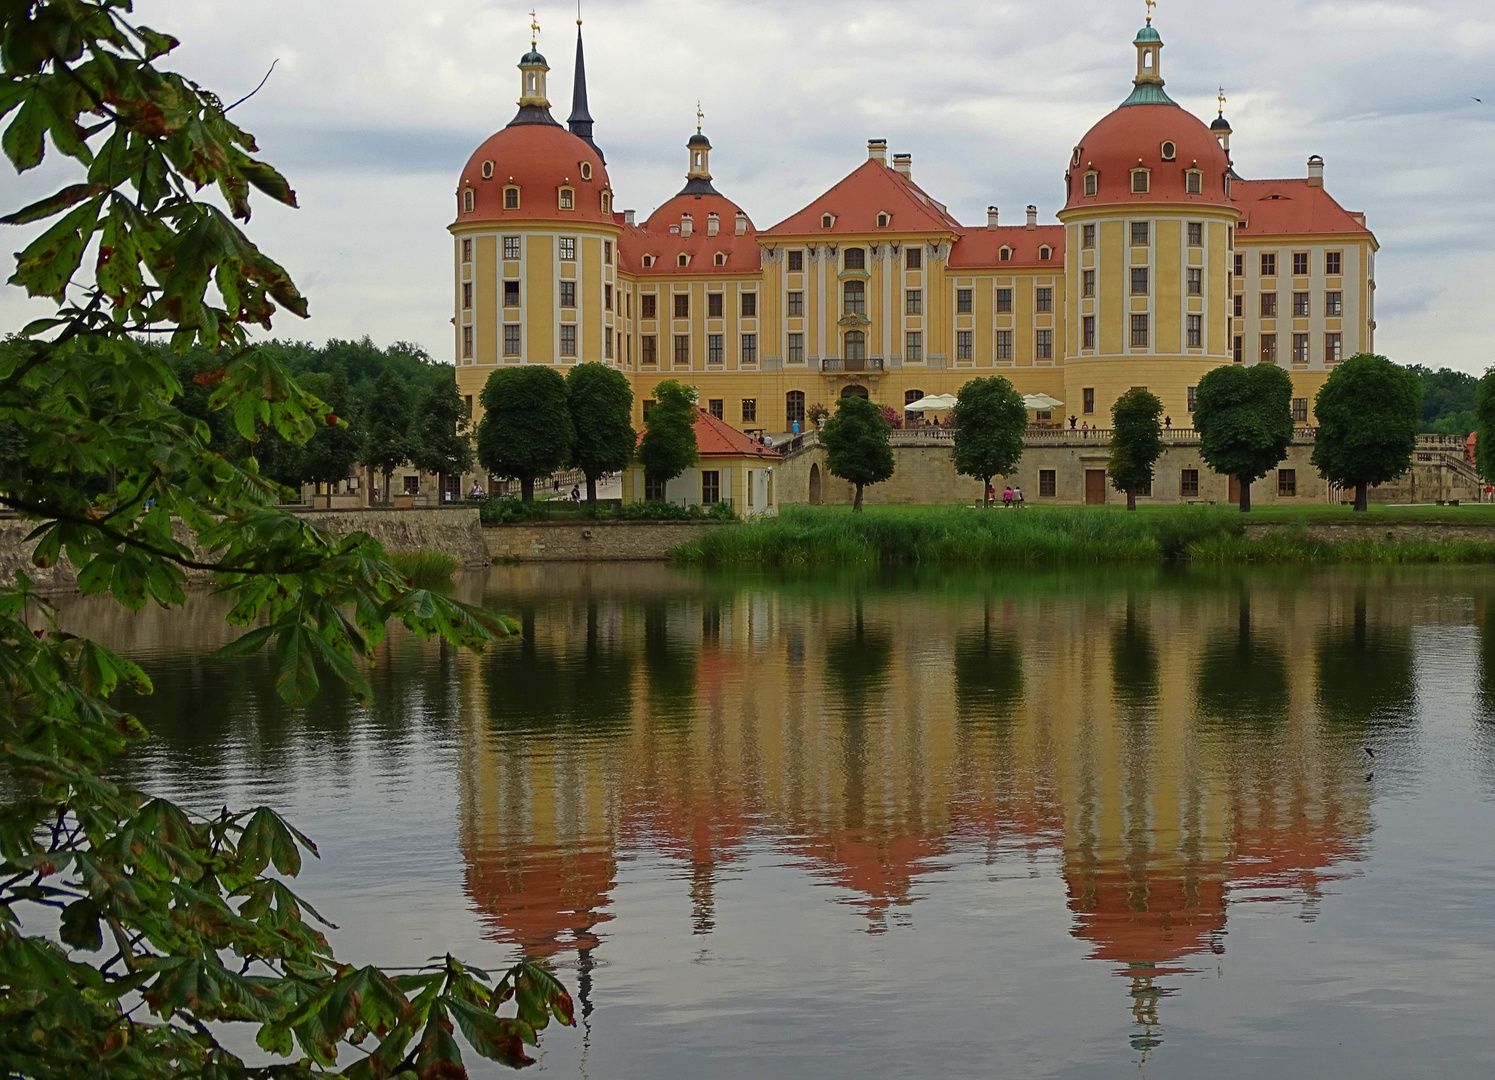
[{"x": 1165, "y": 263}]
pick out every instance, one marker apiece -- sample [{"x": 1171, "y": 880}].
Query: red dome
[
  {"x": 539, "y": 159},
  {"x": 1134, "y": 135},
  {"x": 741, "y": 254}
]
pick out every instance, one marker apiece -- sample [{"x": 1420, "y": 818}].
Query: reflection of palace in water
[{"x": 1177, "y": 749}]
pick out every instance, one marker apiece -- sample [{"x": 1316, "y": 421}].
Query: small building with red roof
[{"x": 734, "y": 468}]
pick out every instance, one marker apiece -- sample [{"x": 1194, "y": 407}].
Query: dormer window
[
  {"x": 467, "y": 200},
  {"x": 487, "y": 170},
  {"x": 607, "y": 202},
  {"x": 568, "y": 199},
  {"x": 826, "y": 221},
  {"x": 1170, "y": 151},
  {"x": 648, "y": 261},
  {"x": 1074, "y": 161},
  {"x": 1092, "y": 184},
  {"x": 1194, "y": 182},
  {"x": 586, "y": 170},
  {"x": 721, "y": 258},
  {"x": 511, "y": 198},
  {"x": 1140, "y": 182},
  {"x": 883, "y": 220},
  {"x": 683, "y": 259},
  {"x": 1006, "y": 254},
  {"x": 1227, "y": 192},
  {"x": 1045, "y": 252}
]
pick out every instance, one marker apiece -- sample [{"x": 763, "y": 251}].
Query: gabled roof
[
  {"x": 1275, "y": 207},
  {"x": 856, "y": 201},
  {"x": 717, "y": 438},
  {"x": 982, "y": 248}
]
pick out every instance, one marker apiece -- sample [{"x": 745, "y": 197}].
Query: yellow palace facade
[{"x": 1164, "y": 264}]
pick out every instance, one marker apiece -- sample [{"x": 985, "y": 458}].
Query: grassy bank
[
  {"x": 424, "y": 567},
  {"x": 1058, "y": 536}
]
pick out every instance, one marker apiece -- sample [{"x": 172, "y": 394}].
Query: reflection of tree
[
  {"x": 856, "y": 667},
  {"x": 537, "y": 684},
  {"x": 1134, "y": 662},
  {"x": 1485, "y": 690},
  {"x": 1365, "y": 673},
  {"x": 988, "y": 675},
  {"x": 1241, "y": 678},
  {"x": 669, "y": 666}
]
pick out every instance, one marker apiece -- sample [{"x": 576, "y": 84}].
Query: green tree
[
  {"x": 1368, "y": 414},
  {"x": 440, "y": 440},
  {"x": 601, "y": 404},
  {"x": 1136, "y": 442},
  {"x": 1245, "y": 421},
  {"x": 526, "y": 428},
  {"x": 990, "y": 419},
  {"x": 386, "y": 428},
  {"x": 332, "y": 452},
  {"x": 1484, "y": 442},
  {"x": 668, "y": 447},
  {"x": 856, "y": 445},
  {"x": 134, "y": 933}
]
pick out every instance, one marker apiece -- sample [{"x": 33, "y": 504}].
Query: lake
[{"x": 1037, "y": 824}]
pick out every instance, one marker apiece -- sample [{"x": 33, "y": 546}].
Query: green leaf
[
  {"x": 52, "y": 204},
  {"x": 249, "y": 643},
  {"x": 267, "y": 840},
  {"x": 24, "y": 140},
  {"x": 80, "y": 926},
  {"x": 49, "y": 262},
  {"x": 296, "y": 680}
]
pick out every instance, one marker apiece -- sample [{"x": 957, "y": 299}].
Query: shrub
[{"x": 424, "y": 566}]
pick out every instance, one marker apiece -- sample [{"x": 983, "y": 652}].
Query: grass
[
  {"x": 514, "y": 512},
  {"x": 1070, "y": 536},
  {"x": 424, "y": 567}
]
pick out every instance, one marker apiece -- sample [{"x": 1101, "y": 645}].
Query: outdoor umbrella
[
  {"x": 931, "y": 403},
  {"x": 1041, "y": 401}
]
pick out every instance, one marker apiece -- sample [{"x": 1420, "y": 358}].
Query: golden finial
[
  {"x": 578, "y": 12},
  {"x": 1222, "y": 101},
  {"x": 1150, "y": 5},
  {"x": 534, "y": 29},
  {"x": 700, "y": 118}
]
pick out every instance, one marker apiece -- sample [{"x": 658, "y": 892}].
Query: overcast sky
[{"x": 375, "y": 105}]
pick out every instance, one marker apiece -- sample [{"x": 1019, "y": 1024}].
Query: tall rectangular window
[
  {"x": 1087, "y": 332},
  {"x": 913, "y": 302},
  {"x": 511, "y": 341},
  {"x": 1300, "y": 348},
  {"x": 466, "y": 295},
  {"x": 913, "y": 346},
  {"x": 568, "y": 340},
  {"x": 963, "y": 344},
  {"x": 1196, "y": 281},
  {"x": 1196, "y": 331},
  {"x": 1140, "y": 232},
  {"x": 749, "y": 410},
  {"x": 1139, "y": 331},
  {"x": 1043, "y": 345},
  {"x": 1087, "y": 283},
  {"x": 1087, "y": 236},
  {"x": 1300, "y": 410},
  {"x": 749, "y": 348},
  {"x": 1139, "y": 281},
  {"x": 1238, "y": 349},
  {"x": 1004, "y": 344},
  {"x": 1139, "y": 181},
  {"x": 653, "y": 489},
  {"x": 1239, "y": 307},
  {"x": 1043, "y": 300},
  {"x": 749, "y": 305},
  {"x": 648, "y": 349},
  {"x": 1333, "y": 348},
  {"x": 1193, "y": 397},
  {"x": 511, "y": 294},
  {"x": 607, "y": 297},
  {"x": 511, "y": 247},
  {"x": 1194, "y": 182},
  {"x": 467, "y": 250},
  {"x": 855, "y": 294},
  {"x": 963, "y": 301},
  {"x": 1196, "y": 234},
  {"x": 1333, "y": 304},
  {"x": 1268, "y": 264},
  {"x": 715, "y": 407},
  {"x": 568, "y": 294},
  {"x": 568, "y": 248},
  {"x": 1300, "y": 264},
  {"x": 1240, "y": 266},
  {"x": 1087, "y": 396},
  {"x": 682, "y": 350},
  {"x": 794, "y": 408},
  {"x": 1269, "y": 348},
  {"x": 511, "y": 198},
  {"x": 1333, "y": 263},
  {"x": 713, "y": 348},
  {"x": 607, "y": 252},
  {"x": 607, "y": 343},
  {"x": 648, "y": 306},
  {"x": 913, "y": 257},
  {"x": 1287, "y": 483},
  {"x": 711, "y": 487},
  {"x": 796, "y": 349},
  {"x": 1268, "y": 305},
  {"x": 796, "y": 304},
  {"x": 796, "y": 262},
  {"x": 1048, "y": 485},
  {"x": 1004, "y": 301},
  {"x": 467, "y": 342},
  {"x": 1300, "y": 305},
  {"x": 714, "y": 305},
  {"x": 1188, "y": 483},
  {"x": 682, "y": 305}
]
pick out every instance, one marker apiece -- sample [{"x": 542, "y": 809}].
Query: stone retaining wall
[{"x": 591, "y": 541}]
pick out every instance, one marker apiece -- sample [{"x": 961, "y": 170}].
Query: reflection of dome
[
  {"x": 539, "y": 159},
  {"x": 1133, "y": 137}
]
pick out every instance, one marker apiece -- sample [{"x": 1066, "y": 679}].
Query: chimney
[
  {"x": 687, "y": 225},
  {"x": 991, "y": 217},
  {"x": 1032, "y": 216},
  {"x": 742, "y": 223},
  {"x": 713, "y": 223},
  {"x": 674, "y": 230},
  {"x": 904, "y": 163},
  {"x": 877, "y": 150},
  {"x": 629, "y": 218},
  {"x": 1315, "y": 171}
]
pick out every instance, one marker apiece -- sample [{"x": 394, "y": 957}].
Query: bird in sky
[{"x": 1480, "y": 100}]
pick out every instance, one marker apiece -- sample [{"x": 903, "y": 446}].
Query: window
[
  {"x": 511, "y": 198},
  {"x": 628, "y": 299},
  {"x": 1043, "y": 348},
  {"x": 607, "y": 297},
  {"x": 711, "y": 487},
  {"x": 796, "y": 262},
  {"x": 467, "y": 407},
  {"x": 682, "y": 259},
  {"x": 1004, "y": 301},
  {"x": 682, "y": 305},
  {"x": 1300, "y": 410},
  {"x": 913, "y": 302},
  {"x": 682, "y": 349},
  {"x": 1268, "y": 305},
  {"x": 1239, "y": 306},
  {"x": 1287, "y": 482},
  {"x": 714, "y": 305},
  {"x": 1333, "y": 304},
  {"x": 909, "y": 397},
  {"x": 794, "y": 408},
  {"x": 796, "y": 303},
  {"x": 1333, "y": 348},
  {"x": 1300, "y": 305},
  {"x": 648, "y": 306},
  {"x": 1269, "y": 348},
  {"x": 1170, "y": 151},
  {"x": 568, "y": 248},
  {"x": 1195, "y": 331},
  {"x": 826, "y": 221},
  {"x": 1043, "y": 300},
  {"x": 1194, "y": 182},
  {"x": 1087, "y": 395},
  {"x": 568, "y": 199},
  {"x": 1188, "y": 483},
  {"x": 466, "y": 295},
  {"x": 1087, "y": 332},
  {"x": 749, "y": 305},
  {"x": 467, "y": 202},
  {"x": 1004, "y": 344},
  {"x": 749, "y": 410},
  {"x": 653, "y": 489},
  {"x": 1005, "y": 254},
  {"x": 1139, "y": 281},
  {"x": 1092, "y": 186},
  {"x": 511, "y": 340},
  {"x": 1048, "y": 486},
  {"x": 1087, "y": 236},
  {"x": 488, "y": 170},
  {"x": 467, "y": 342},
  {"x": 467, "y": 250},
  {"x": 1139, "y": 182},
  {"x": 855, "y": 259},
  {"x": 568, "y": 340},
  {"x": 1087, "y": 282},
  {"x": 1268, "y": 264},
  {"x": 963, "y": 301},
  {"x": 412, "y": 485},
  {"x": 1141, "y": 230},
  {"x": 963, "y": 344},
  {"x": 648, "y": 261},
  {"x": 856, "y": 298},
  {"x": 713, "y": 348},
  {"x": 648, "y": 349},
  {"x": 913, "y": 345},
  {"x": 913, "y": 258},
  {"x": 882, "y": 220},
  {"x": 1193, "y": 397},
  {"x": 1196, "y": 234},
  {"x": 1240, "y": 266},
  {"x": 607, "y": 343},
  {"x": 607, "y": 253},
  {"x": 568, "y": 294},
  {"x": 855, "y": 347},
  {"x": 749, "y": 348},
  {"x": 1300, "y": 264},
  {"x": 1333, "y": 261},
  {"x": 796, "y": 349},
  {"x": 714, "y": 407},
  {"x": 1238, "y": 349},
  {"x": 1139, "y": 331}
]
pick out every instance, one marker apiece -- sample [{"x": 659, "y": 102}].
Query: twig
[{"x": 257, "y": 89}]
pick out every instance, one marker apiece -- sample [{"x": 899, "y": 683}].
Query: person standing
[{"x": 1017, "y": 497}]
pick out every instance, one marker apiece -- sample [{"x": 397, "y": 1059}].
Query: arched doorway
[
  {"x": 814, "y": 485},
  {"x": 854, "y": 391}
]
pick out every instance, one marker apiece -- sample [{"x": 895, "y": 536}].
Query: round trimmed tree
[
  {"x": 526, "y": 427},
  {"x": 668, "y": 447},
  {"x": 1244, "y": 416},
  {"x": 990, "y": 419},
  {"x": 1136, "y": 442},
  {"x": 601, "y": 404},
  {"x": 856, "y": 445},
  {"x": 1368, "y": 414}
]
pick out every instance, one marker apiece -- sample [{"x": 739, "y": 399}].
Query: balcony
[{"x": 836, "y": 363}]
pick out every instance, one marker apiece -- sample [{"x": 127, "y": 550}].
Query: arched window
[
  {"x": 487, "y": 170},
  {"x": 854, "y": 390},
  {"x": 586, "y": 170},
  {"x": 721, "y": 259},
  {"x": 856, "y": 347},
  {"x": 794, "y": 409},
  {"x": 1139, "y": 182},
  {"x": 511, "y": 198},
  {"x": 568, "y": 199},
  {"x": 883, "y": 220},
  {"x": 467, "y": 201},
  {"x": 1006, "y": 253},
  {"x": 1092, "y": 184},
  {"x": 683, "y": 259},
  {"x": 826, "y": 221},
  {"x": 909, "y": 397},
  {"x": 855, "y": 259},
  {"x": 856, "y": 298},
  {"x": 1194, "y": 182},
  {"x": 607, "y": 202},
  {"x": 1045, "y": 252}
]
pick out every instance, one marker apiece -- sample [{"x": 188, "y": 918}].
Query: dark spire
[{"x": 580, "y": 122}]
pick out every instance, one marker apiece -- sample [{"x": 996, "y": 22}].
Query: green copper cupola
[{"x": 1148, "y": 85}]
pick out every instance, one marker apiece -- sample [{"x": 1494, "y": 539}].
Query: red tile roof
[
  {"x": 983, "y": 248},
  {"x": 653, "y": 237},
  {"x": 1273, "y": 207},
  {"x": 538, "y": 159},
  {"x": 718, "y": 439},
  {"x": 1133, "y": 136},
  {"x": 857, "y": 200}
]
